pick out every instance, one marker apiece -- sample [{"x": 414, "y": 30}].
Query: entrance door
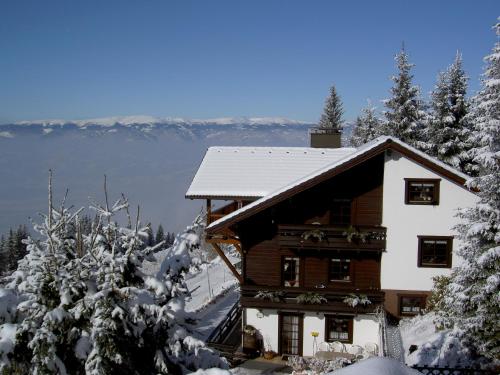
[{"x": 291, "y": 327}]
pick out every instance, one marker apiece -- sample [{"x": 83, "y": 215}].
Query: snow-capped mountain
[
  {"x": 145, "y": 124},
  {"x": 150, "y": 159}
]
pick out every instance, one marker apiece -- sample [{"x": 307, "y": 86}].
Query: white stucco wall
[
  {"x": 312, "y": 323},
  {"x": 404, "y": 223},
  {"x": 365, "y": 328},
  {"x": 267, "y": 326}
]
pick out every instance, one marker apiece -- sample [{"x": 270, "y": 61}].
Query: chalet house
[{"x": 329, "y": 236}]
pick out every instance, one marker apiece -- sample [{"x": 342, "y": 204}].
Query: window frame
[
  {"x": 423, "y": 302},
  {"x": 350, "y": 325},
  {"x": 351, "y": 270},
  {"x": 299, "y": 276},
  {"x": 347, "y": 203},
  {"x": 435, "y": 195},
  {"x": 449, "y": 251}
]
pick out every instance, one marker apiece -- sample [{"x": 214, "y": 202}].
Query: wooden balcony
[
  {"x": 334, "y": 299},
  {"x": 324, "y": 237}
]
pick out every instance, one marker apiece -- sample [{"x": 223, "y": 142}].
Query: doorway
[{"x": 290, "y": 333}]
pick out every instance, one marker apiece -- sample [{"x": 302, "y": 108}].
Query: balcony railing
[
  {"x": 311, "y": 236},
  {"x": 334, "y": 300}
]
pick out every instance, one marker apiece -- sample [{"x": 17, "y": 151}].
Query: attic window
[{"x": 422, "y": 191}]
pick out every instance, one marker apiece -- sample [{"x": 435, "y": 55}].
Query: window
[
  {"x": 338, "y": 328},
  {"x": 411, "y": 304},
  {"x": 340, "y": 269},
  {"x": 291, "y": 272},
  {"x": 422, "y": 191},
  {"x": 434, "y": 251},
  {"x": 341, "y": 212}
]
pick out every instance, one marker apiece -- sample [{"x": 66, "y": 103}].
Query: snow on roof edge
[
  {"x": 195, "y": 192},
  {"x": 359, "y": 151}
]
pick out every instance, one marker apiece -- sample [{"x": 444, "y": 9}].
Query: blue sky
[{"x": 200, "y": 59}]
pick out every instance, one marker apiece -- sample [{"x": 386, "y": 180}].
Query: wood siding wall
[
  {"x": 263, "y": 267},
  {"x": 258, "y": 234}
]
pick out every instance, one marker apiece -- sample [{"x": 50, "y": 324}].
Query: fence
[
  {"x": 428, "y": 370},
  {"x": 219, "y": 333}
]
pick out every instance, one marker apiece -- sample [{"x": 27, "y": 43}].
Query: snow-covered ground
[
  {"x": 377, "y": 366},
  {"x": 214, "y": 291},
  {"x": 434, "y": 347}
]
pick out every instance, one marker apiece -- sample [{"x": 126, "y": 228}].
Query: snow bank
[
  {"x": 434, "y": 347},
  {"x": 7, "y": 340},
  {"x": 211, "y": 371},
  {"x": 8, "y": 305},
  {"x": 377, "y": 366}
]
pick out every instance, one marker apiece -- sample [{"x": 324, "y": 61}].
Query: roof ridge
[{"x": 359, "y": 152}]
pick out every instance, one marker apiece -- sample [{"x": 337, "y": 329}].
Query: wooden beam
[
  {"x": 238, "y": 247},
  {"x": 228, "y": 263},
  {"x": 231, "y": 241},
  {"x": 209, "y": 211}
]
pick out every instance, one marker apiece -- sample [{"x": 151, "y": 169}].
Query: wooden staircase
[{"x": 226, "y": 338}]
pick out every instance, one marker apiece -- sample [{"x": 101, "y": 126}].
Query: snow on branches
[
  {"x": 80, "y": 303},
  {"x": 473, "y": 298},
  {"x": 404, "y": 114}
]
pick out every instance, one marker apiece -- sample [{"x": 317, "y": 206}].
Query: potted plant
[
  {"x": 311, "y": 298},
  {"x": 315, "y": 235},
  {"x": 269, "y": 353},
  {"x": 250, "y": 345},
  {"x": 352, "y": 234}
]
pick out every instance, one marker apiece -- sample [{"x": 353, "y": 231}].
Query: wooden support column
[
  {"x": 228, "y": 263},
  {"x": 209, "y": 211},
  {"x": 238, "y": 247}
]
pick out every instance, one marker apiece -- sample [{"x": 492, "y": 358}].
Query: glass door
[{"x": 290, "y": 334}]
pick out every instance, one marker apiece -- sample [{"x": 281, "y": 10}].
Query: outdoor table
[{"x": 330, "y": 356}]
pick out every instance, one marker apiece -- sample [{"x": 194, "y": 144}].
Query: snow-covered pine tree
[
  {"x": 160, "y": 234},
  {"x": 87, "y": 308},
  {"x": 404, "y": 116},
  {"x": 366, "y": 127},
  {"x": 448, "y": 131},
  {"x": 4, "y": 258},
  {"x": 473, "y": 299},
  {"x": 332, "y": 112}
]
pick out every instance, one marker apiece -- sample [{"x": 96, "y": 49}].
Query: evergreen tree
[
  {"x": 473, "y": 298},
  {"x": 20, "y": 247},
  {"x": 160, "y": 235},
  {"x": 150, "y": 241},
  {"x": 332, "y": 112},
  {"x": 448, "y": 131},
  {"x": 366, "y": 127},
  {"x": 11, "y": 250},
  {"x": 82, "y": 305},
  {"x": 4, "y": 259},
  {"x": 404, "y": 115},
  {"x": 170, "y": 239}
]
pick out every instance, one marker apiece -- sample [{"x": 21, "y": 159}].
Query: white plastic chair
[
  {"x": 337, "y": 346},
  {"x": 355, "y": 349},
  {"x": 371, "y": 349},
  {"x": 324, "y": 347}
]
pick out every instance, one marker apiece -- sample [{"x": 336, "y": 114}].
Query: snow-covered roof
[
  {"x": 357, "y": 155},
  {"x": 255, "y": 172}
]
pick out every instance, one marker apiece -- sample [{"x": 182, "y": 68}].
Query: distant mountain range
[
  {"x": 150, "y": 159},
  {"x": 149, "y": 126}
]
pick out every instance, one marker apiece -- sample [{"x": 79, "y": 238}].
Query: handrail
[{"x": 232, "y": 316}]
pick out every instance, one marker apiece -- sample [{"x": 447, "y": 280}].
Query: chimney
[{"x": 322, "y": 137}]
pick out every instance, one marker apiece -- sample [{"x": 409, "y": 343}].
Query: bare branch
[{"x": 129, "y": 225}]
